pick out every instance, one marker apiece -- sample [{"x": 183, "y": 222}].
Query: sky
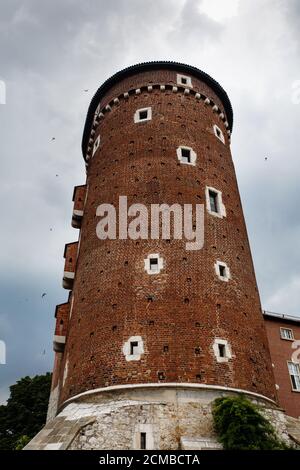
[{"x": 53, "y": 50}]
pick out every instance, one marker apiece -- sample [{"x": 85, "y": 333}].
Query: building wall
[
  {"x": 281, "y": 352},
  {"x": 171, "y": 416},
  {"x": 181, "y": 311}
]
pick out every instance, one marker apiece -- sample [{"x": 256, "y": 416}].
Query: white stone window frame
[
  {"x": 295, "y": 373},
  {"x": 228, "y": 353},
  {"x": 286, "y": 333},
  {"x": 227, "y": 276},
  {"x": 53, "y": 446},
  {"x": 217, "y": 130},
  {"x": 148, "y": 429},
  {"x": 138, "y": 351},
  {"x": 193, "y": 155},
  {"x": 96, "y": 145},
  {"x": 160, "y": 263},
  {"x": 221, "y": 208},
  {"x": 187, "y": 78},
  {"x": 137, "y": 118}
]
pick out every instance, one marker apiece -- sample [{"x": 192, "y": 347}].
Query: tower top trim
[{"x": 148, "y": 66}]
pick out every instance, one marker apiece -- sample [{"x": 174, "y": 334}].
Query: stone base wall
[
  {"x": 53, "y": 403},
  {"x": 172, "y": 417}
]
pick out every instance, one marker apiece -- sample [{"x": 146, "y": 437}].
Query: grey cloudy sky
[{"x": 50, "y": 51}]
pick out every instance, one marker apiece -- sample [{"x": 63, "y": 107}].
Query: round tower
[{"x": 153, "y": 331}]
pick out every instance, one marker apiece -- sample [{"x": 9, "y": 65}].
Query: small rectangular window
[
  {"x": 222, "y": 351},
  {"x": 143, "y": 440},
  {"x": 133, "y": 345},
  {"x": 143, "y": 114},
  {"x": 185, "y": 155},
  {"x": 294, "y": 371},
  {"x": 184, "y": 80},
  {"x": 213, "y": 201},
  {"x": 286, "y": 333},
  {"x": 222, "y": 270}
]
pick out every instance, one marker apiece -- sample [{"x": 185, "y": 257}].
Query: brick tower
[{"x": 153, "y": 332}]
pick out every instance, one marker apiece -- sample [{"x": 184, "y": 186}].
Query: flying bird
[
  {"x": 86, "y": 90},
  {"x": 266, "y": 158},
  {"x": 53, "y": 138},
  {"x": 44, "y": 352},
  {"x": 43, "y": 295}
]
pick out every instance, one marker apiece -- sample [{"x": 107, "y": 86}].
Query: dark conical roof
[{"x": 146, "y": 66}]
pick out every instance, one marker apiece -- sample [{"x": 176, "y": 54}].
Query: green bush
[
  {"x": 241, "y": 426},
  {"x": 22, "y": 442}
]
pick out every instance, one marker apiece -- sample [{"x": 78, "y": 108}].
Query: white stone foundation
[{"x": 171, "y": 416}]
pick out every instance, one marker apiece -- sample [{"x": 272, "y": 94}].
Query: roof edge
[
  {"x": 146, "y": 66},
  {"x": 281, "y": 316}
]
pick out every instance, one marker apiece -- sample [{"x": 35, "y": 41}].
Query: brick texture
[
  {"x": 180, "y": 311},
  {"x": 70, "y": 256},
  {"x": 281, "y": 352},
  {"x": 62, "y": 318}
]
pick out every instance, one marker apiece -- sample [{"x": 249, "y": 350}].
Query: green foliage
[
  {"x": 241, "y": 426},
  {"x": 22, "y": 442},
  {"x": 25, "y": 412}
]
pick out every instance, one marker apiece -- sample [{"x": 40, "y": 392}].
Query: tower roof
[{"x": 144, "y": 67}]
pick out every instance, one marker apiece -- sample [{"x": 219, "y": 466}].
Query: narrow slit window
[
  {"x": 222, "y": 270},
  {"x": 185, "y": 155},
  {"x": 143, "y": 440},
  {"x": 222, "y": 350},
  {"x": 133, "y": 346},
  {"x": 213, "y": 201}
]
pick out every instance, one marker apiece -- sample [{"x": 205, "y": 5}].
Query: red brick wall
[
  {"x": 62, "y": 318},
  {"x": 79, "y": 197},
  {"x": 191, "y": 305},
  {"x": 281, "y": 351},
  {"x": 163, "y": 77},
  {"x": 70, "y": 256}
]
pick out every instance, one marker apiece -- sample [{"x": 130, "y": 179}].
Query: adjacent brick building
[
  {"x": 283, "y": 333},
  {"x": 155, "y": 331}
]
